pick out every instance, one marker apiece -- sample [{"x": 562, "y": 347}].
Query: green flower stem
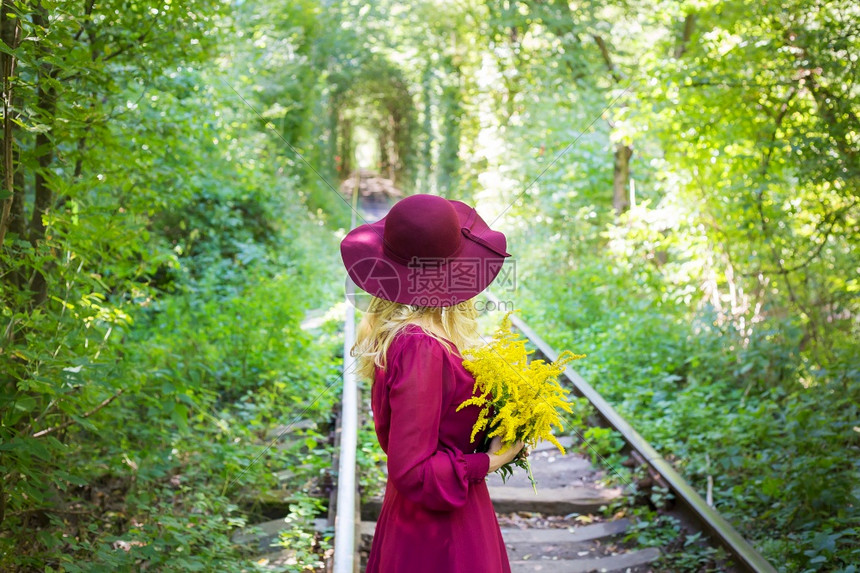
[{"x": 531, "y": 476}]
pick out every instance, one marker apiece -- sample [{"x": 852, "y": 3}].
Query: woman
[{"x": 422, "y": 264}]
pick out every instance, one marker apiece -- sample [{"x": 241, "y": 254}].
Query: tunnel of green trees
[{"x": 678, "y": 180}]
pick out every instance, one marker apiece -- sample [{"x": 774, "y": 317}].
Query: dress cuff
[{"x": 477, "y": 466}]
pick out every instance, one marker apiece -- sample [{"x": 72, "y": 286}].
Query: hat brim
[{"x": 443, "y": 282}]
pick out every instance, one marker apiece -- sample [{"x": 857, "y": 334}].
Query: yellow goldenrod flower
[{"x": 525, "y": 396}]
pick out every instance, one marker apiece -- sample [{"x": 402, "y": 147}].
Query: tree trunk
[
  {"x": 621, "y": 179},
  {"x": 449, "y": 149},
  {"x": 397, "y": 144},
  {"x": 333, "y": 134},
  {"x": 45, "y": 147},
  {"x": 689, "y": 26},
  {"x": 345, "y": 152},
  {"x": 621, "y": 175},
  {"x": 424, "y": 178},
  {"x": 9, "y": 32},
  {"x": 44, "y": 193},
  {"x": 394, "y": 143},
  {"x": 17, "y": 216},
  {"x": 382, "y": 143}
]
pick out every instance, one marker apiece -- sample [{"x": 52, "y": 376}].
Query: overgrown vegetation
[
  {"x": 156, "y": 268},
  {"x": 718, "y": 306}
]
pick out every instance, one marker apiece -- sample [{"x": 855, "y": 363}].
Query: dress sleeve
[{"x": 422, "y": 469}]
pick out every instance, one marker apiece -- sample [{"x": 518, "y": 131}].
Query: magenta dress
[{"x": 437, "y": 516}]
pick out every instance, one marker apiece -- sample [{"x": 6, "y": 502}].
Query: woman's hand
[{"x": 498, "y": 460}]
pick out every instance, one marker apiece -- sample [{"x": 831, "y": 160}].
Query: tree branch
[
  {"x": 88, "y": 11},
  {"x": 830, "y": 220},
  {"x": 783, "y": 110},
  {"x": 607, "y": 58},
  {"x": 65, "y": 425}
]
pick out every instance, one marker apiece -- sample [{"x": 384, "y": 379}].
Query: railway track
[
  {"x": 560, "y": 528},
  {"x": 563, "y": 527}
]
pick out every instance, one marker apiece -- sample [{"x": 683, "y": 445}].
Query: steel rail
[
  {"x": 714, "y": 523},
  {"x": 345, "y": 559}
]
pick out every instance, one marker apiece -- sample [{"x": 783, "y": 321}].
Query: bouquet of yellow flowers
[{"x": 525, "y": 396}]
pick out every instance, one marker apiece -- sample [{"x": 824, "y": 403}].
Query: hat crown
[
  {"x": 423, "y": 227},
  {"x": 427, "y": 251}
]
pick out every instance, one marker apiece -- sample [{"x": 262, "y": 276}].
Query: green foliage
[
  {"x": 370, "y": 463},
  {"x": 299, "y": 537},
  {"x": 172, "y": 215},
  {"x": 152, "y": 307},
  {"x": 603, "y": 446},
  {"x": 681, "y": 550}
]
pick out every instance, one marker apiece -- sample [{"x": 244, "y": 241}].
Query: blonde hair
[{"x": 384, "y": 319}]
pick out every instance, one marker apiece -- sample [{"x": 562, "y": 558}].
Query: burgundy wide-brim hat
[{"x": 427, "y": 251}]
